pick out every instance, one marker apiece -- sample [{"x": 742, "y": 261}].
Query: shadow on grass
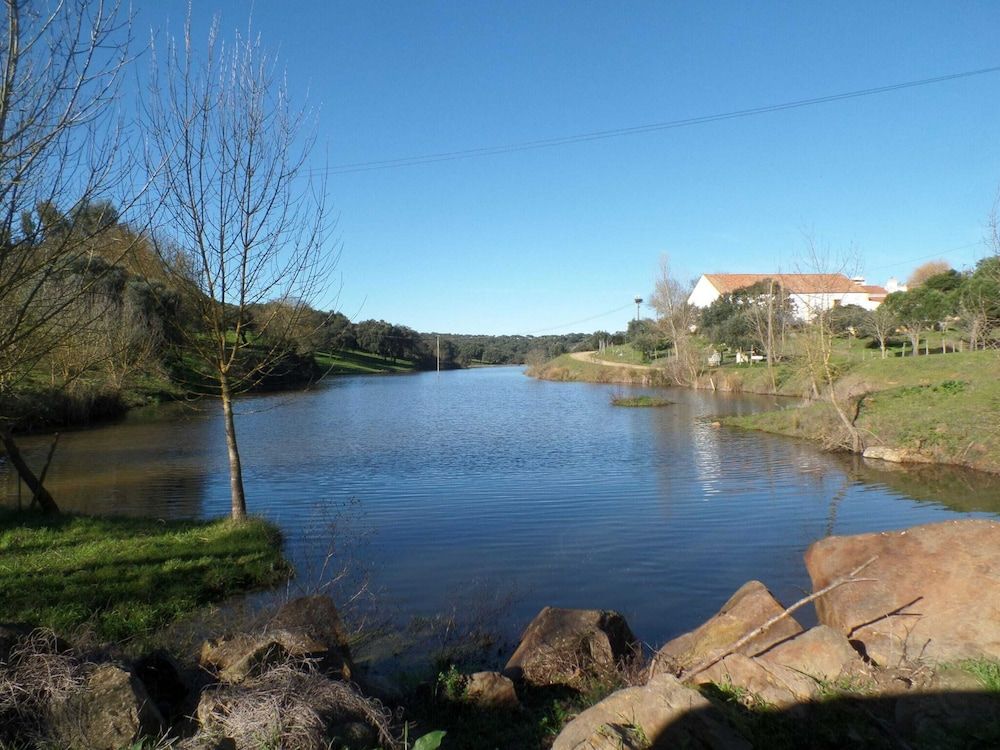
[{"x": 924, "y": 721}]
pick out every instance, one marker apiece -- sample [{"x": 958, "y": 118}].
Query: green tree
[{"x": 917, "y": 311}]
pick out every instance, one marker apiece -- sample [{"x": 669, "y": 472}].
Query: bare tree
[
  {"x": 61, "y": 65},
  {"x": 676, "y": 318},
  {"x": 924, "y": 271},
  {"x": 881, "y": 323},
  {"x": 247, "y": 226},
  {"x": 818, "y": 336}
]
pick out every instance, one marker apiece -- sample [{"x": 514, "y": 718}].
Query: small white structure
[{"x": 809, "y": 292}]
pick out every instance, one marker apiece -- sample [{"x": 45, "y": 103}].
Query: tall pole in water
[{"x": 439, "y": 353}]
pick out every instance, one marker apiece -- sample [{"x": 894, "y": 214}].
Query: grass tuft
[{"x": 640, "y": 401}]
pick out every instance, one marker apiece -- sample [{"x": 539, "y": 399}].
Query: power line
[
  {"x": 925, "y": 257},
  {"x": 410, "y": 161},
  {"x": 577, "y": 322}
]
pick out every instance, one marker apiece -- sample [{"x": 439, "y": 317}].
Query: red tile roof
[{"x": 795, "y": 283}]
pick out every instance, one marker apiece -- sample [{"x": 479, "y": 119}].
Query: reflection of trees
[
  {"x": 151, "y": 469},
  {"x": 956, "y": 488}
]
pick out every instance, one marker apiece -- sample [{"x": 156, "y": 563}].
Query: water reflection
[{"x": 146, "y": 465}]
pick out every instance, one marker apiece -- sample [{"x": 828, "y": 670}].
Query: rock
[
  {"x": 934, "y": 597},
  {"x": 772, "y": 683},
  {"x": 750, "y": 607},
  {"x": 896, "y": 455},
  {"x": 821, "y": 652},
  {"x": 661, "y": 714},
  {"x": 560, "y": 646},
  {"x": 492, "y": 690},
  {"x": 244, "y": 655},
  {"x": 317, "y": 617},
  {"x": 111, "y": 711},
  {"x": 247, "y": 654}
]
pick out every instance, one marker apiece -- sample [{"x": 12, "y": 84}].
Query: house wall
[
  {"x": 703, "y": 294},
  {"x": 807, "y": 305}
]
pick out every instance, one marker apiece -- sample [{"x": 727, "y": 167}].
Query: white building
[{"x": 809, "y": 292}]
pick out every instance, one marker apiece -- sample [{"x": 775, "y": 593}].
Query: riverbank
[
  {"x": 124, "y": 578},
  {"x": 938, "y": 409}
]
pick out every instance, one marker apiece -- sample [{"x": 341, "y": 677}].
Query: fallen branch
[{"x": 706, "y": 663}]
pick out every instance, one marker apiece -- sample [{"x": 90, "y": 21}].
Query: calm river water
[{"x": 476, "y": 486}]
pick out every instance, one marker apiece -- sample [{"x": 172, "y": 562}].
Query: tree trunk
[
  {"x": 237, "y": 497},
  {"x": 38, "y": 490}
]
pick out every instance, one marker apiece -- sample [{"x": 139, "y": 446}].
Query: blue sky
[{"x": 555, "y": 239}]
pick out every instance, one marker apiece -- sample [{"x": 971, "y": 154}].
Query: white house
[{"x": 809, "y": 292}]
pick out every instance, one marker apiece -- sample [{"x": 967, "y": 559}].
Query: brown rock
[
  {"x": 896, "y": 455},
  {"x": 243, "y": 655},
  {"x": 110, "y": 712},
  {"x": 661, "y": 714},
  {"x": 317, "y": 618},
  {"x": 561, "y": 645},
  {"x": 935, "y": 593},
  {"x": 492, "y": 690},
  {"x": 247, "y": 654},
  {"x": 772, "y": 683},
  {"x": 750, "y": 607},
  {"x": 821, "y": 652}
]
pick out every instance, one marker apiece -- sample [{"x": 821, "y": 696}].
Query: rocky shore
[{"x": 908, "y": 620}]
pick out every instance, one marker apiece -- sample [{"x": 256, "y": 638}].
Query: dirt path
[{"x": 590, "y": 357}]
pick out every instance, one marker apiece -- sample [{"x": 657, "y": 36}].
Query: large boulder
[
  {"x": 560, "y": 646},
  {"x": 933, "y": 592},
  {"x": 110, "y": 711},
  {"x": 749, "y": 608},
  {"x": 661, "y": 714},
  {"x": 821, "y": 652},
  {"x": 775, "y": 684}
]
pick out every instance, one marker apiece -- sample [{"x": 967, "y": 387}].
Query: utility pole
[
  {"x": 638, "y": 301},
  {"x": 439, "y": 353}
]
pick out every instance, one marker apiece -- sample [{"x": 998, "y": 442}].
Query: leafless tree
[
  {"x": 768, "y": 315},
  {"x": 924, "y": 271},
  {"x": 246, "y": 224},
  {"x": 61, "y": 149},
  {"x": 676, "y": 318},
  {"x": 818, "y": 336},
  {"x": 881, "y": 323}
]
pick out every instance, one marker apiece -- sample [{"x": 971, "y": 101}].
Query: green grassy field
[
  {"x": 127, "y": 577},
  {"x": 944, "y": 407},
  {"x": 349, "y": 362}
]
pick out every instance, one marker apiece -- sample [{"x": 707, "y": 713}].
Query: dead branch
[{"x": 849, "y": 578}]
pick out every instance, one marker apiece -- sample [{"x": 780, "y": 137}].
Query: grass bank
[
  {"x": 938, "y": 409},
  {"x": 351, "y": 362},
  {"x": 127, "y": 577},
  {"x": 569, "y": 368}
]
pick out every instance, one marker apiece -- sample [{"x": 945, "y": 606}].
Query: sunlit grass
[{"x": 125, "y": 576}]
